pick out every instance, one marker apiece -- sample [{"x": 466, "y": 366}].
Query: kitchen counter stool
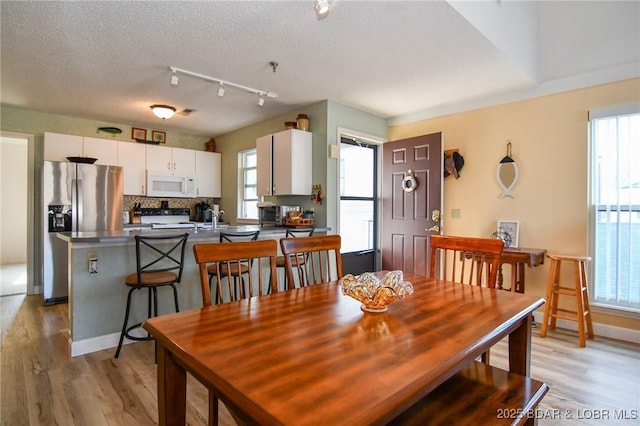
[
  {"x": 579, "y": 290},
  {"x": 292, "y": 233},
  {"x": 159, "y": 262},
  {"x": 237, "y": 270}
]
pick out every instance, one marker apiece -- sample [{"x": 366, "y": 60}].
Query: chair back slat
[
  {"x": 312, "y": 260},
  {"x": 466, "y": 260},
  {"x": 230, "y": 257}
]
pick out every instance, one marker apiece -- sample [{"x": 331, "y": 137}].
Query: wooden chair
[
  {"x": 464, "y": 259},
  {"x": 159, "y": 263},
  {"x": 238, "y": 270},
  {"x": 228, "y": 258},
  {"x": 292, "y": 233},
  {"x": 321, "y": 255}
]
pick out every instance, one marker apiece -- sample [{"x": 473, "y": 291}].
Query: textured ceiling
[{"x": 400, "y": 60}]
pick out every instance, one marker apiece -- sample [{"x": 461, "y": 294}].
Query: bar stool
[
  {"x": 292, "y": 233},
  {"x": 159, "y": 262},
  {"x": 580, "y": 291}
]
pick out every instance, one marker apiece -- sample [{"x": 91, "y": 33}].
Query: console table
[{"x": 518, "y": 257}]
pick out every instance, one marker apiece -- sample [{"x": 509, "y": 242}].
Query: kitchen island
[{"x": 97, "y": 301}]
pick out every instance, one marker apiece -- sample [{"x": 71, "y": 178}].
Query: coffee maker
[{"x": 203, "y": 212}]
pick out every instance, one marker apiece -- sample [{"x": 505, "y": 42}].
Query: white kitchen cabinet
[
  {"x": 208, "y": 173},
  {"x": 173, "y": 160},
  {"x": 132, "y": 158},
  {"x": 57, "y": 147},
  {"x": 284, "y": 165},
  {"x": 105, "y": 150}
]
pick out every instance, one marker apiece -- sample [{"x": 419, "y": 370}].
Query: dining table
[{"x": 312, "y": 356}]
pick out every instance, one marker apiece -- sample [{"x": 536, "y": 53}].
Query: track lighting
[
  {"x": 163, "y": 111},
  {"x": 321, "y": 8},
  {"x": 174, "y": 79},
  {"x": 223, "y": 83}
]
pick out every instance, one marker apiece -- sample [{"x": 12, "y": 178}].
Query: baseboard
[
  {"x": 95, "y": 344},
  {"x": 603, "y": 330}
]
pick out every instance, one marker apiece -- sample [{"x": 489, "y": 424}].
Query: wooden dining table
[{"x": 312, "y": 356}]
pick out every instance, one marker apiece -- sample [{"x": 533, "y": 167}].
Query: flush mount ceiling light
[
  {"x": 223, "y": 83},
  {"x": 163, "y": 111},
  {"x": 321, "y": 8}
]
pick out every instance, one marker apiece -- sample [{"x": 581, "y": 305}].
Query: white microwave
[{"x": 177, "y": 185}]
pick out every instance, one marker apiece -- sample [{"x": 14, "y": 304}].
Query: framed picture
[
  {"x": 160, "y": 137},
  {"x": 512, "y": 228},
  {"x": 137, "y": 133}
]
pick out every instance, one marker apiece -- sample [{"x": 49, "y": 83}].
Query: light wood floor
[{"x": 41, "y": 385}]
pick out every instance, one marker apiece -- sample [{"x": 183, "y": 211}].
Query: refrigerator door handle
[{"x": 77, "y": 201}]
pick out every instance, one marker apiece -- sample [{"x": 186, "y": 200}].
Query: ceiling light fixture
[
  {"x": 163, "y": 111},
  {"x": 174, "y": 79},
  {"x": 221, "y": 89},
  {"x": 321, "y": 8},
  {"x": 261, "y": 100}
]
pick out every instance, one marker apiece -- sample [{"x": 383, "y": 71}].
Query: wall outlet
[{"x": 94, "y": 264}]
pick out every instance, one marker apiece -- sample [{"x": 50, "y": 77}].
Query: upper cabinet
[
  {"x": 105, "y": 150},
  {"x": 208, "y": 173},
  {"x": 173, "y": 160},
  {"x": 57, "y": 147},
  {"x": 132, "y": 158},
  {"x": 284, "y": 163}
]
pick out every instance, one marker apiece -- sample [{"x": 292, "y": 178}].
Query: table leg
[
  {"x": 520, "y": 348},
  {"x": 172, "y": 390}
]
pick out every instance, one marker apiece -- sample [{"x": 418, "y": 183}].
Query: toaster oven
[{"x": 275, "y": 215}]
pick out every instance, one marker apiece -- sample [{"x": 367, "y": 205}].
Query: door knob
[{"x": 434, "y": 228}]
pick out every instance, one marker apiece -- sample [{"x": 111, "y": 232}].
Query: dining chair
[
  {"x": 225, "y": 259},
  {"x": 293, "y": 233},
  {"x": 159, "y": 263},
  {"x": 312, "y": 260},
  {"x": 229, "y": 258},
  {"x": 237, "y": 271},
  {"x": 466, "y": 260}
]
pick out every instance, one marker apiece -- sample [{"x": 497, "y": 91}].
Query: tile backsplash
[{"x": 148, "y": 202}]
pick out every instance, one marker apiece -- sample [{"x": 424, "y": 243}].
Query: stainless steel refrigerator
[{"x": 76, "y": 197}]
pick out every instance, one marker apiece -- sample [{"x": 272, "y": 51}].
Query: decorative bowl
[{"x": 376, "y": 294}]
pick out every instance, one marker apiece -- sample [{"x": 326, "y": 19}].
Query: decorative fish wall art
[{"x": 507, "y": 174}]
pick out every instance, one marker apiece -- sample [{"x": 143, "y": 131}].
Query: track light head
[
  {"x": 321, "y": 8},
  {"x": 174, "y": 79},
  {"x": 261, "y": 100},
  {"x": 221, "y": 90}
]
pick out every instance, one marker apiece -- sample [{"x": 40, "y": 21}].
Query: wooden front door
[{"x": 408, "y": 214}]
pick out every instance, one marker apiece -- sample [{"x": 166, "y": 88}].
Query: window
[
  {"x": 247, "y": 187},
  {"x": 357, "y": 196},
  {"x": 615, "y": 207}
]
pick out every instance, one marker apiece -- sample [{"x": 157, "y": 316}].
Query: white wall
[{"x": 13, "y": 200}]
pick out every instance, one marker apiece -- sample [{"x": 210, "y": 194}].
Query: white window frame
[
  {"x": 604, "y": 303},
  {"x": 241, "y": 215}
]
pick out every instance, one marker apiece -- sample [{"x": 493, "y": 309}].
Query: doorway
[
  {"x": 16, "y": 212},
  {"x": 358, "y": 205}
]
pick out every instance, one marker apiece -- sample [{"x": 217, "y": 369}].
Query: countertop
[{"x": 129, "y": 233}]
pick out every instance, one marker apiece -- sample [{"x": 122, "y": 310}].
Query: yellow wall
[{"x": 549, "y": 144}]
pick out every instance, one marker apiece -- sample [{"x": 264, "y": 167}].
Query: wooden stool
[{"x": 580, "y": 291}]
